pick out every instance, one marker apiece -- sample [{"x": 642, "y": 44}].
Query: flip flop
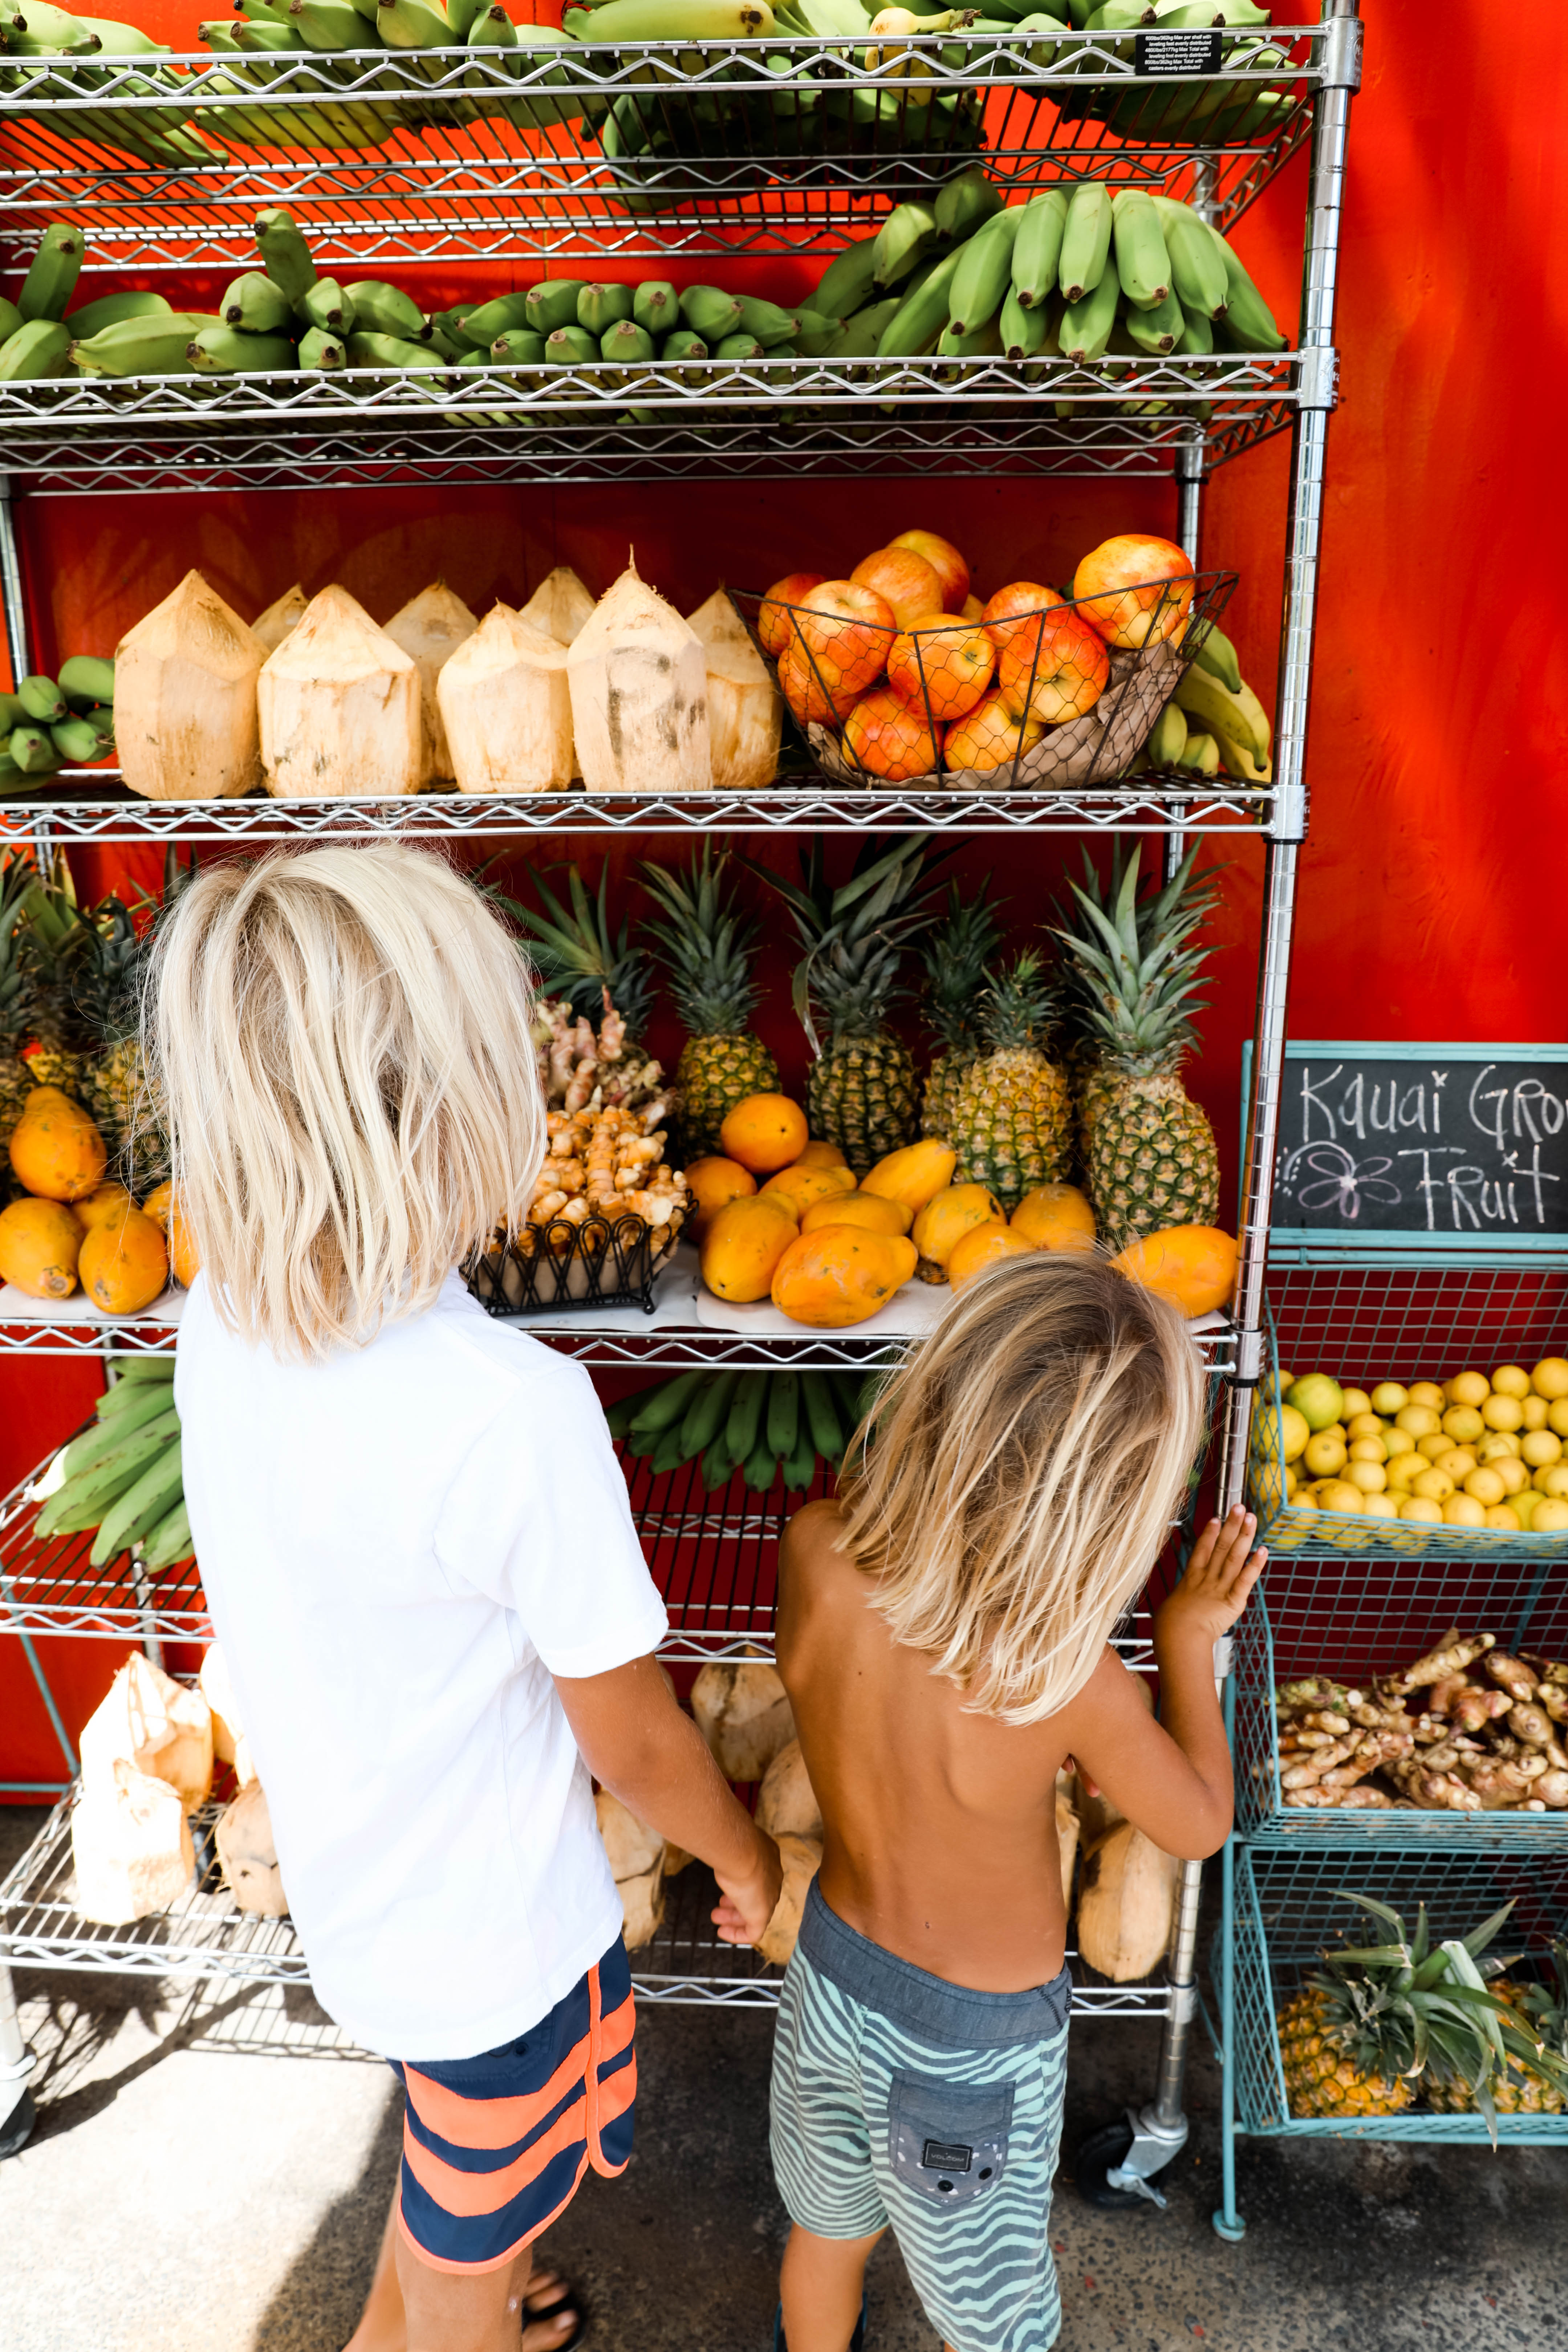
[
  {"x": 567, "y": 2299},
  {"x": 857, "y": 2342}
]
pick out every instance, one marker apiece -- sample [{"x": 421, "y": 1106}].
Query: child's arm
[
  {"x": 1173, "y": 1779},
  {"x": 635, "y": 1739}
]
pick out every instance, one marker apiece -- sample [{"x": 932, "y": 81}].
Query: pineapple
[
  {"x": 1011, "y": 1124},
  {"x": 15, "y": 999},
  {"x": 709, "y": 956},
  {"x": 1151, "y": 1154},
  {"x": 1522, "y": 2087},
  {"x": 955, "y": 955},
  {"x": 54, "y": 944},
  {"x": 863, "y": 1090},
  {"x": 603, "y": 977}
]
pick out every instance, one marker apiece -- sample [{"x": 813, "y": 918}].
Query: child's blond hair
[
  {"x": 1028, "y": 1460},
  {"x": 341, "y": 1039}
]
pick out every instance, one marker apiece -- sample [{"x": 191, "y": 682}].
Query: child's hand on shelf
[
  {"x": 1219, "y": 1577},
  {"x": 748, "y": 1902}
]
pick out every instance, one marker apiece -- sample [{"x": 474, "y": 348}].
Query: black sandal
[
  {"x": 857, "y": 2342},
  {"x": 567, "y": 2299}
]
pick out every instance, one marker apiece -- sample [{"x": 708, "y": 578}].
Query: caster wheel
[
  {"x": 1104, "y": 2152},
  {"x": 17, "y": 2128}
]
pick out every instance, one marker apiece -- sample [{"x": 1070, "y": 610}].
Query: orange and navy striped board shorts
[{"x": 495, "y": 2148}]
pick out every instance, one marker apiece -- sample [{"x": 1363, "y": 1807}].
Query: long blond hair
[
  {"x": 341, "y": 1039},
  {"x": 1025, "y": 1468}
]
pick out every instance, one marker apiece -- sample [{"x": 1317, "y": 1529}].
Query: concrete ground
[{"x": 191, "y": 2186}]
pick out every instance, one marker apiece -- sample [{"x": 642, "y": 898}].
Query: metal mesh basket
[
  {"x": 1289, "y": 1908},
  {"x": 1038, "y": 700},
  {"x": 562, "y": 1268}
]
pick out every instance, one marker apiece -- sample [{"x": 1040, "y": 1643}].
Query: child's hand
[
  {"x": 1219, "y": 1575},
  {"x": 749, "y": 1903}
]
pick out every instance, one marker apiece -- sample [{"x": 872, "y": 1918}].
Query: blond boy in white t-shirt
[{"x": 416, "y": 1548}]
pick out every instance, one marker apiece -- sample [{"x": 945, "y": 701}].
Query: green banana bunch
[
  {"x": 51, "y": 278},
  {"x": 153, "y": 345},
  {"x": 122, "y": 1474},
  {"x": 754, "y": 1422}
]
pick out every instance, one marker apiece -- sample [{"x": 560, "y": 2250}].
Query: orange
[
  {"x": 982, "y": 1246},
  {"x": 764, "y": 1133},
  {"x": 868, "y": 1208},
  {"x": 742, "y": 1246},
  {"x": 714, "y": 1184},
  {"x": 1054, "y": 1216}
]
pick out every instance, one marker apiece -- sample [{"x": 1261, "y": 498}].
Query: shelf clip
[
  {"x": 1248, "y": 1360},
  {"x": 1340, "y": 67},
  {"x": 1318, "y": 377}
]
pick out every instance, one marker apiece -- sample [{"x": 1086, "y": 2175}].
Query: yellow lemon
[
  {"x": 1341, "y": 1497},
  {"x": 1364, "y": 1424},
  {"x": 1464, "y": 1511},
  {"x": 1503, "y": 1412},
  {"x": 1422, "y": 1506},
  {"x": 1403, "y": 1469},
  {"x": 1396, "y": 1442},
  {"x": 1535, "y": 1410},
  {"x": 1388, "y": 1398},
  {"x": 1435, "y": 1483},
  {"x": 1433, "y": 1447},
  {"x": 1553, "y": 1480},
  {"x": 1511, "y": 1380},
  {"x": 1548, "y": 1519},
  {"x": 1499, "y": 1516},
  {"x": 1523, "y": 1505},
  {"x": 1367, "y": 1449},
  {"x": 1511, "y": 1471},
  {"x": 1557, "y": 1416},
  {"x": 1458, "y": 1462},
  {"x": 1370, "y": 1476},
  {"x": 1463, "y": 1422},
  {"x": 1541, "y": 1448},
  {"x": 1417, "y": 1419},
  {"x": 1501, "y": 1446},
  {"x": 1324, "y": 1453},
  {"x": 1550, "y": 1378},
  {"x": 1355, "y": 1400},
  {"x": 1428, "y": 1393},
  {"x": 1467, "y": 1389},
  {"x": 1486, "y": 1487}
]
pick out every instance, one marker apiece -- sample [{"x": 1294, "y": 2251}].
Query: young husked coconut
[
  {"x": 636, "y": 1855},
  {"x": 745, "y": 711},
  {"x": 230, "y": 1745},
  {"x": 430, "y": 629},
  {"x": 273, "y": 625},
  {"x": 786, "y": 1801},
  {"x": 185, "y": 699},
  {"x": 248, "y": 1856},
  {"x": 339, "y": 703},
  {"x": 506, "y": 709},
  {"x": 559, "y": 605},
  {"x": 1126, "y": 1903},
  {"x": 1067, "y": 1836},
  {"x": 802, "y": 1859},
  {"x": 742, "y": 1711},
  {"x": 131, "y": 1845},
  {"x": 149, "y": 1721},
  {"x": 639, "y": 695}
]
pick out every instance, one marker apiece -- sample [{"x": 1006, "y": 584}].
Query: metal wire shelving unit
[{"x": 776, "y": 148}]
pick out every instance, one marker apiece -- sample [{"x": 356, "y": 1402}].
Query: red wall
[{"x": 1433, "y": 886}]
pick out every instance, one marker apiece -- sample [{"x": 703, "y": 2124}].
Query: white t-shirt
[{"x": 399, "y": 1547}]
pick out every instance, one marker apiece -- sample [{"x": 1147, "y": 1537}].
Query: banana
[
  {"x": 51, "y": 279},
  {"x": 498, "y": 317},
  {"x": 966, "y": 204},
  {"x": 666, "y": 1454},
  {"x": 783, "y": 1409},
  {"x": 600, "y": 308},
  {"x": 814, "y": 334},
  {"x": 414, "y": 25},
  {"x": 983, "y": 342},
  {"x": 704, "y": 1416},
  {"x": 1143, "y": 264},
  {"x": 901, "y": 241},
  {"x": 1086, "y": 242},
  {"x": 1037, "y": 248},
  {"x": 682, "y": 345},
  {"x": 619, "y": 1416},
  {"x": 864, "y": 330},
  {"x": 1022, "y": 331},
  {"x": 1208, "y": 644},
  {"x": 453, "y": 324},
  {"x": 984, "y": 271},
  {"x": 666, "y": 1404},
  {"x": 140, "y": 1508},
  {"x": 1241, "y": 765},
  {"x": 382, "y": 309},
  {"x": 570, "y": 346},
  {"x": 719, "y": 1466},
  {"x": 919, "y": 319},
  {"x": 617, "y": 21},
  {"x": 254, "y": 303},
  {"x": 1197, "y": 269},
  {"x": 77, "y": 741},
  {"x": 1200, "y": 754},
  {"x": 1240, "y": 715},
  {"x": 372, "y": 351},
  {"x": 42, "y": 700},
  {"x": 1246, "y": 322},
  {"x": 33, "y": 750},
  {"x": 11, "y": 319},
  {"x": 821, "y": 1417},
  {"x": 746, "y": 1407},
  {"x": 655, "y": 306},
  {"x": 1084, "y": 330},
  {"x": 761, "y": 1465},
  {"x": 766, "y": 320},
  {"x": 92, "y": 1489},
  {"x": 1167, "y": 738},
  {"x": 170, "y": 1540},
  {"x": 801, "y": 1465},
  {"x": 225, "y": 351},
  {"x": 739, "y": 346},
  {"x": 708, "y": 310},
  {"x": 627, "y": 343},
  {"x": 1158, "y": 331},
  {"x": 65, "y": 33},
  {"x": 85, "y": 679},
  {"x": 461, "y": 15},
  {"x": 325, "y": 305},
  {"x": 328, "y": 25},
  {"x": 109, "y": 309},
  {"x": 551, "y": 305},
  {"x": 1197, "y": 335},
  {"x": 130, "y": 1368},
  {"x": 320, "y": 350},
  {"x": 848, "y": 281},
  {"x": 518, "y": 347},
  {"x": 285, "y": 253}
]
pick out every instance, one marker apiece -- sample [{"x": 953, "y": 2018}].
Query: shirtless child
[{"x": 943, "y": 1634}]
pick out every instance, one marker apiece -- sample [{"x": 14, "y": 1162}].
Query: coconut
[
  {"x": 635, "y": 1856},
  {"x": 1126, "y": 1903},
  {"x": 184, "y": 699},
  {"x": 149, "y": 1721},
  {"x": 273, "y": 625},
  {"x": 339, "y": 707},
  {"x": 742, "y": 1711},
  {"x": 131, "y": 1844},
  {"x": 230, "y": 1745},
  {"x": 507, "y": 706},
  {"x": 745, "y": 712},
  {"x": 248, "y": 1856},
  {"x": 786, "y": 1801},
  {"x": 639, "y": 695},
  {"x": 801, "y": 1858},
  {"x": 430, "y": 629},
  {"x": 559, "y": 605}
]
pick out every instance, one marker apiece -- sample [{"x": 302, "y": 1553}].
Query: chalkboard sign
[{"x": 1451, "y": 1147}]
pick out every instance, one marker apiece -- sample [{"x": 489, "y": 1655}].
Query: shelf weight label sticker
[{"x": 1176, "y": 53}]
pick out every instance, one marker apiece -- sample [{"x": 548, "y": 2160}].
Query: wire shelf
[
  {"x": 1288, "y": 1911},
  {"x": 766, "y": 146}
]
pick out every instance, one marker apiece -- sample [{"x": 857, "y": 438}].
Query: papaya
[
  {"x": 184, "y": 1258},
  {"x": 1054, "y": 1216},
  {"x": 125, "y": 1266},
  {"x": 1191, "y": 1265},
  {"x": 800, "y": 1187},
  {"x": 40, "y": 1243},
  {"x": 714, "y": 1184},
  {"x": 820, "y": 1153},
  {"x": 867, "y": 1209},
  {"x": 744, "y": 1245},
  {"x": 55, "y": 1151},
  {"x": 914, "y": 1175},
  {"x": 104, "y": 1206},
  {"x": 981, "y": 1246},
  {"x": 157, "y": 1205},
  {"x": 840, "y": 1274},
  {"x": 944, "y": 1221}
]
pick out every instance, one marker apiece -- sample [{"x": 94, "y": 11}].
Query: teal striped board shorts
[{"x": 899, "y": 2099}]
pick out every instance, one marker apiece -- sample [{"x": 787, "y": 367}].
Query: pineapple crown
[
  {"x": 955, "y": 955},
  {"x": 1019, "y": 1008},
  {"x": 108, "y": 981},
  {"x": 53, "y": 943},
  {"x": 709, "y": 948},
  {"x": 578, "y": 953},
  {"x": 855, "y": 936},
  {"x": 16, "y": 993},
  {"x": 1135, "y": 978}
]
